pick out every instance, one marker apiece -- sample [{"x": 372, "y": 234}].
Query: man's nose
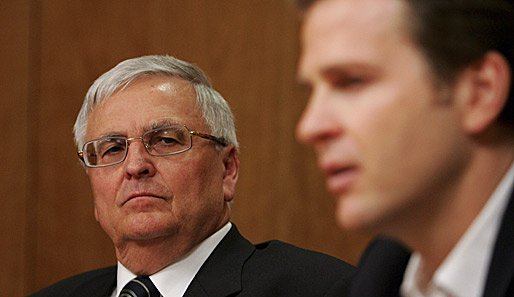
[
  {"x": 138, "y": 163},
  {"x": 317, "y": 123}
]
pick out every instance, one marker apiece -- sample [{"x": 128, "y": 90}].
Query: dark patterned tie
[{"x": 141, "y": 286}]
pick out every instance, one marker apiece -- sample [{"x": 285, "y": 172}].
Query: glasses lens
[
  {"x": 167, "y": 140},
  {"x": 107, "y": 151}
]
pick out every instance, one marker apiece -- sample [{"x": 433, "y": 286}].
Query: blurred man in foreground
[{"x": 411, "y": 115}]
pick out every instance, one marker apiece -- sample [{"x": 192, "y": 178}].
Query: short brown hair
[
  {"x": 452, "y": 34},
  {"x": 456, "y": 33}
]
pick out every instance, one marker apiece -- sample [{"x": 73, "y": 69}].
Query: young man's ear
[{"x": 482, "y": 90}]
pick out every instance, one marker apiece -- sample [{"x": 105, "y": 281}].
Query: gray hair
[{"x": 215, "y": 109}]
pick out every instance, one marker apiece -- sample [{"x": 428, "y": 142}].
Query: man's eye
[
  {"x": 112, "y": 150},
  {"x": 164, "y": 141},
  {"x": 355, "y": 80},
  {"x": 348, "y": 82},
  {"x": 168, "y": 140}
]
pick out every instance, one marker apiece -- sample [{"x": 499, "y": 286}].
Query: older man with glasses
[{"x": 160, "y": 150}]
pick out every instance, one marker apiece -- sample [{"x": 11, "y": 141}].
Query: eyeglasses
[{"x": 169, "y": 140}]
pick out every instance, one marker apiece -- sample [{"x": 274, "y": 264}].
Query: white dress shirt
[
  {"x": 464, "y": 271},
  {"x": 173, "y": 280}
]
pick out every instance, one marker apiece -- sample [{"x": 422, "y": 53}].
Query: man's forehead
[
  {"x": 349, "y": 10},
  {"x": 347, "y": 29},
  {"x": 143, "y": 105},
  {"x": 352, "y": 16},
  {"x": 156, "y": 89},
  {"x": 138, "y": 125}
]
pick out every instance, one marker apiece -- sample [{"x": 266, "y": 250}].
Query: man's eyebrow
[
  {"x": 109, "y": 134},
  {"x": 347, "y": 69},
  {"x": 155, "y": 124},
  {"x": 336, "y": 69}
]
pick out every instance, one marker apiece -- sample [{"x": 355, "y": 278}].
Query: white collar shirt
[
  {"x": 463, "y": 273},
  {"x": 174, "y": 280}
]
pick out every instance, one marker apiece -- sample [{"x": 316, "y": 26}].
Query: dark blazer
[
  {"x": 237, "y": 268},
  {"x": 383, "y": 263}
]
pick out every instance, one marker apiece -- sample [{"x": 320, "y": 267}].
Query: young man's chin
[{"x": 353, "y": 215}]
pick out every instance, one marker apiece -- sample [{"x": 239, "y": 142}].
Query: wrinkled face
[
  {"x": 148, "y": 197},
  {"x": 386, "y": 138}
]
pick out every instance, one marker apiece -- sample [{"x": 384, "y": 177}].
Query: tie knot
[{"x": 140, "y": 286}]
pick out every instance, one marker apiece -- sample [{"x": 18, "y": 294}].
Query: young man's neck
[{"x": 435, "y": 233}]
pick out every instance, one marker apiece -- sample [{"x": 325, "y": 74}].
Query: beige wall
[{"x": 51, "y": 51}]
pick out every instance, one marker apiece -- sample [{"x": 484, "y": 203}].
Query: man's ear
[
  {"x": 481, "y": 92},
  {"x": 231, "y": 173},
  {"x": 96, "y": 213}
]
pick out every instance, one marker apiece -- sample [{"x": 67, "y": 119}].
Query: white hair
[{"x": 215, "y": 109}]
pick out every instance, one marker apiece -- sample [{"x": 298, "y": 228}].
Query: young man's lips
[{"x": 339, "y": 179}]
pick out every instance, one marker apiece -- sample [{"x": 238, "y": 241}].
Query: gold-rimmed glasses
[{"x": 164, "y": 141}]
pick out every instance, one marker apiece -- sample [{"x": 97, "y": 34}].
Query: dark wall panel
[{"x": 16, "y": 174}]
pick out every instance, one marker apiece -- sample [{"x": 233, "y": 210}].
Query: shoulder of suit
[
  {"x": 102, "y": 276},
  {"x": 285, "y": 253}
]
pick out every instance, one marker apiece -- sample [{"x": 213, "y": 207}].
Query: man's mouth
[
  {"x": 142, "y": 195},
  {"x": 339, "y": 178}
]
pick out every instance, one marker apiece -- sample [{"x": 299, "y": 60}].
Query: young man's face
[{"x": 386, "y": 138}]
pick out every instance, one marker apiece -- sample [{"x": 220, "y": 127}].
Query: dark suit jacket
[
  {"x": 384, "y": 261},
  {"x": 237, "y": 268}
]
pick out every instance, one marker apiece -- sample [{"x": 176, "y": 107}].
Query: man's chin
[
  {"x": 146, "y": 235},
  {"x": 351, "y": 215},
  {"x": 147, "y": 227}
]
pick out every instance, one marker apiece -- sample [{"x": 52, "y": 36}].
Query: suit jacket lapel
[
  {"x": 106, "y": 287},
  {"x": 501, "y": 271},
  {"x": 381, "y": 268},
  {"x": 195, "y": 290},
  {"x": 99, "y": 286},
  {"x": 221, "y": 274}
]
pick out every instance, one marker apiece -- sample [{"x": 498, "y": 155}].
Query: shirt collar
[
  {"x": 174, "y": 279},
  {"x": 464, "y": 271}
]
